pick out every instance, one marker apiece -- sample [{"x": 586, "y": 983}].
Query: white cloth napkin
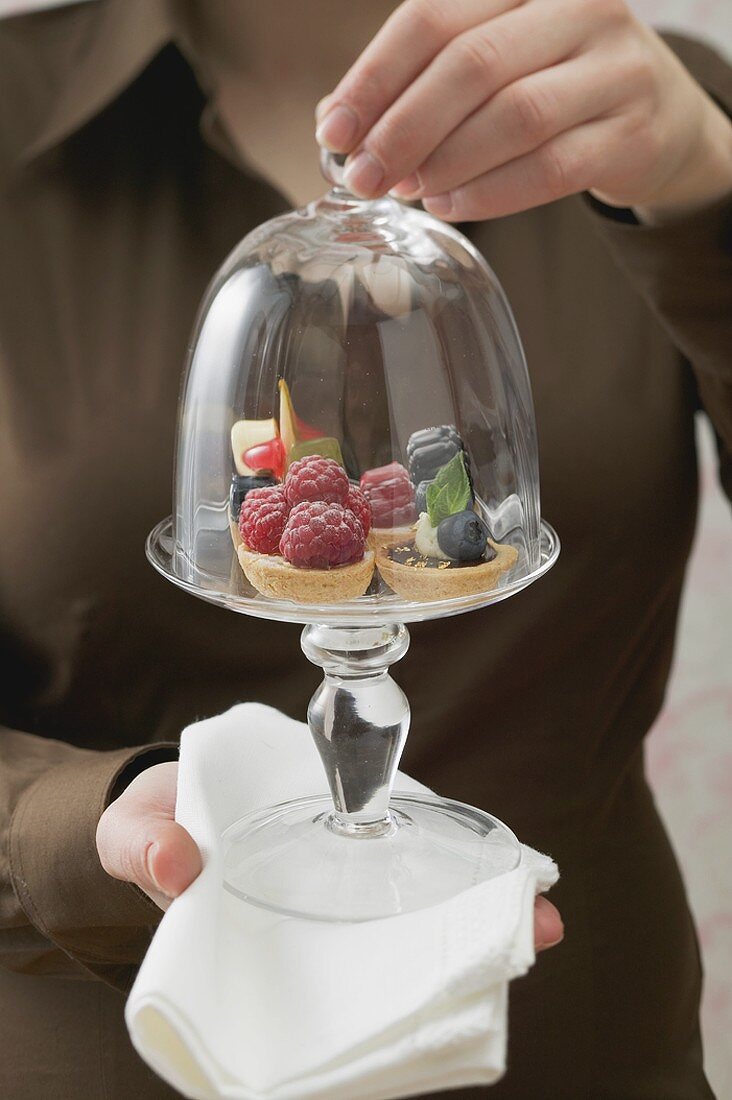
[{"x": 235, "y": 1001}]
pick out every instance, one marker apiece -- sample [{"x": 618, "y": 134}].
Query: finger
[
  {"x": 139, "y": 841},
  {"x": 407, "y": 42},
  {"x": 563, "y": 166},
  {"x": 173, "y": 860},
  {"x": 520, "y": 118},
  {"x": 153, "y": 790},
  {"x": 155, "y": 853},
  {"x": 548, "y": 926},
  {"x": 471, "y": 69}
]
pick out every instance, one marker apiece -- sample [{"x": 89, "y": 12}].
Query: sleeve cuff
[
  {"x": 694, "y": 234},
  {"x": 683, "y": 269},
  {"x": 103, "y": 924},
  {"x": 696, "y": 245}
]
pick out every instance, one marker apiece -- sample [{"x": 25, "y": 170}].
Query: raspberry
[
  {"x": 390, "y": 492},
  {"x": 262, "y": 519},
  {"x": 321, "y": 536},
  {"x": 316, "y": 478},
  {"x": 360, "y": 507}
]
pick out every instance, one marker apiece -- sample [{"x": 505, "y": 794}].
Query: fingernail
[
  {"x": 337, "y": 131},
  {"x": 320, "y": 108},
  {"x": 441, "y": 205},
  {"x": 364, "y": 174},
  {"x": 149, "y": 861},
  {"x": 552, "y": 943},
  {"x": 407, "y": 187}
]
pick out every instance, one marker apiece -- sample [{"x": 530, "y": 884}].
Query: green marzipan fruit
[{"x": 327, "y": 447}]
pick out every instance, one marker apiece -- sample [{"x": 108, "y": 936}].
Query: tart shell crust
[
  {"x": 445, "y": 584},
  {"x": 272, "y": 576}
]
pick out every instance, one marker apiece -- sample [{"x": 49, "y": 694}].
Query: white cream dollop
[{"x": 425, "y": 539}]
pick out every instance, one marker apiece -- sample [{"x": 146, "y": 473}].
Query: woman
[{"x": 115, "y": 211}]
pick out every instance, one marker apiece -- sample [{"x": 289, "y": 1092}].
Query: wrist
[
  {"x": 704, "y": 178},
  {"x": 143, "y": 759}
]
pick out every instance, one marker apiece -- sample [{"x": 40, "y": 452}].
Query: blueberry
[
  {"x": 420, "y": 496},
  {"x": 464, "y": 537},
  {"x": 241, "y": 484}
]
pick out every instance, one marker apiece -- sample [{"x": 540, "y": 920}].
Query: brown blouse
[{"x": 117, "y": 203}]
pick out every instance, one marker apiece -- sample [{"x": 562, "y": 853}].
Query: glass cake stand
[{"x": 374, "y": 336}]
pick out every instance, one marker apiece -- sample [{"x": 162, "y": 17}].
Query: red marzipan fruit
[
  {"x": 267, "y": 456},
  {"x": 390, "y": 493}
]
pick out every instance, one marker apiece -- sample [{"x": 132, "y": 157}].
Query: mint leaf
[
  {"x": 437, "y": 504},
  {"x": 450, "y": 491}
]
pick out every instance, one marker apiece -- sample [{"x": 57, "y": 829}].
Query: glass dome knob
[{"x": 332, "y": 165}]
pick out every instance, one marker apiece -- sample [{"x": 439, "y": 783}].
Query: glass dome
[
  {"x": 376, "y": 336},
  {"x": 356, "y": 451}
]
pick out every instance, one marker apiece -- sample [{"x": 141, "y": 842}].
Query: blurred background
[{"x": 689, "y": 751}]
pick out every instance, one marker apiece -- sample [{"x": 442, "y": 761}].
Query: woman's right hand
[
  {"x": 139, "y": 840},
  {"x": 482, "y": 108}
]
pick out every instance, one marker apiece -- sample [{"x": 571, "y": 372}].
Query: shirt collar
[
  {"x": 69, "y": 64},
  {"x": 94, "y": 53}
]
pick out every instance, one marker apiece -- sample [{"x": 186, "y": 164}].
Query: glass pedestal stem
[
  {"x": 414, "y": 850},
  {"x": 359, "y": 719}
]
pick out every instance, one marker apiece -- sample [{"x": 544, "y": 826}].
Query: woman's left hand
[
  {"x": 139, "y": 841},
  {"x": 486, "y": 107}
]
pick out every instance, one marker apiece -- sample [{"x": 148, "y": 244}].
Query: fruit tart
[
  {"x": 263, "y": 450},
  {"x": 448, "y": 552},
  {"x": 305, "y": 539}
]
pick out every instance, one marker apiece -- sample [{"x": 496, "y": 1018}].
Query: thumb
[
  {"x": 173, "y": 860},
  {"x": 149, "y": 850},
  {"x": 139, "y": 841},
  {"x": 548, "y": 926}
]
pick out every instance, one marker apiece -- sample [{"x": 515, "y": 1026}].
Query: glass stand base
[{"x": 290, "y": 859}]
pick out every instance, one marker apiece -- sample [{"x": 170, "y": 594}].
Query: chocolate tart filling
[{"x": 408, "y": 554}]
